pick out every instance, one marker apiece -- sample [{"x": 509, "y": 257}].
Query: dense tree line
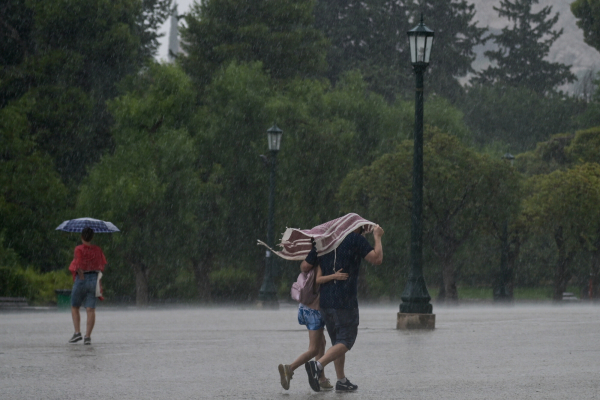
[{"x": 91, "y": 125}]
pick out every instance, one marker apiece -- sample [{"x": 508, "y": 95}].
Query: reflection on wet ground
[{"x": 520, "y": 352}]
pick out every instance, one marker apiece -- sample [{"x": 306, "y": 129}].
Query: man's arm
[{"x": 375, "y": 257}]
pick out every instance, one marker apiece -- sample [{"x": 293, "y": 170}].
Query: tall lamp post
[
  {"x": 267, "y": 296},
  {"x": 415, "y": 309},
  {"x": 501, "y": 292}
]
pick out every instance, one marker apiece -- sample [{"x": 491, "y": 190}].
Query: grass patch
[{"x": 533, "y": 293}]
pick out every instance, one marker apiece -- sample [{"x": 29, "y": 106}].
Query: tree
[
  {"x": 502, "y": 116},
  {"x": 366, "y": 36},
  {"x": 371, "y": 37},
  {"x": 278, "y": 33},
  {"x": 464, "y": 193},
  {"x": 587, "y": 13},
  {"x": 69, "y": 69},
  {"x": 522, "y": 47},
  {"x": 150, "y": 186},
  {"x": 32, "y": 198},
  {"x": 565, "y": 204},
  {"x": 456, "y": 35}
]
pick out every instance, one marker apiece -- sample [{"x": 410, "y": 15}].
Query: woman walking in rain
[
  {"x": 87, "y": 263},
  {"x": 309, "y": 315}
]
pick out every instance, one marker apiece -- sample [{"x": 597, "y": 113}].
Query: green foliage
[
  {"x": 371, "y": 36},
  {"x": 277, "y": 33},
  {"x": 456, "y": 35},
  {"x": 585, "y": 146},
  {"x": 32, "y": 197},
  {"x": 503, "y": 114},
  {"x": 566, "y": 200},
  {"x": 564, "y": 204},
  {"x": 560, "y": 152},
  {"x": 15, "y": 32},
  {"x": 523, "y": 46},
  {"x": 67, "y": 70},
  {"x": 367, "y": 36},
  {"x": 547, "y": 157},
  {"x": 146, "y": 186},
  {"x": 233, "y": 284},
  {"x": 587, "y": 13},
  {"x": 37, "y": 287},
  {"x": 464, "y": 193}
]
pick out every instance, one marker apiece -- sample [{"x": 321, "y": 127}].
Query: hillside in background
[{"x": 569, "y": 49}]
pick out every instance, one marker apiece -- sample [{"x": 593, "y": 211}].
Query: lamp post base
[{"x": 407, "y": 321}]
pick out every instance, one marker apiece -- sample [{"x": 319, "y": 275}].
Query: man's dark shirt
[{"x": 347, "y": 256}]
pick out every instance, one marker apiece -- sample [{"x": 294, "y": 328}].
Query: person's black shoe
[
  {"x": 313, "y": 375},
  {"x": 87, "y": 340},
  {"x": 345, "y": 387},
  {"x": 76, "y": 338}
]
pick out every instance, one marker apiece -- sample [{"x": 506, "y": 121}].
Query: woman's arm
[
  {"x": 305, "y": 267},
  {"x": 338, "y": 276}
]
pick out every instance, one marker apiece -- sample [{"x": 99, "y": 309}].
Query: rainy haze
[{"x": 156, "y": 116}]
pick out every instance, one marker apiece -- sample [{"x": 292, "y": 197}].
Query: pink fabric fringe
[{"x": 296, "y": 243}]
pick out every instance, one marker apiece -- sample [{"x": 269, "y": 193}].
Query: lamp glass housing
[
  {"x": 274, "y": 137},
  {"x": 420, "y": 39}
]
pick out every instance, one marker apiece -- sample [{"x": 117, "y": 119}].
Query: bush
[
  {"x": 233, "y": 284},
  {"x": 37, "y": 287},
  {"x": 12, "y": 282}
]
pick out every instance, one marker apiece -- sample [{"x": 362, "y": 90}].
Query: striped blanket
[{"x": 297, "y": 243}]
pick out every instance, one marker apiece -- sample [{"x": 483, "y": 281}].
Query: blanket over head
[{"x": 297, "y": 243}]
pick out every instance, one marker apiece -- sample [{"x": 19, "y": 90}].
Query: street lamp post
[
  {"x": 415, "y": 297},
  {"x": 267, "y": 296},
  {"x": 501, "y": 292}
]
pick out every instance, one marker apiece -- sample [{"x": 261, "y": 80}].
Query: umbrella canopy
[{"x": 77, "y": 225}]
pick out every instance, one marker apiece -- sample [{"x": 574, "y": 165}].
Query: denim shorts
[
  {"x": 84, "y": 291},
  {"x": 342, "y": 325},
  {"x": 311, "y": 318}
]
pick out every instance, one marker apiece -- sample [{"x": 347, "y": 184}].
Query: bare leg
[
  {"x": 320, "y": 354},
  {"x": 91, "y": 320},
  {"x": 76, "y": 319},
  {"x": 336, "y": 351},
  {"x": 314, "y": 344},
  {"x": 339, "y": 366}
]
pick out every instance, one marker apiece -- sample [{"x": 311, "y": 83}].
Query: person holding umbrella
[{"x": 88, "y": 262}]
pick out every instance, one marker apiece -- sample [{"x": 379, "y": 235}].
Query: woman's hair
[{"x": 87, "y": 234}]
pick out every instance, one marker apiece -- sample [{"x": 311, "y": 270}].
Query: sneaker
[
  {"x": 76, "y": 338},
  {"x": 87, "y": 340},
  {"x": 313, "y": 375},
  {"x": 345, "y": 387},
  {"x": 325, "y": 385},
  {"x": 286, "y": 375}
]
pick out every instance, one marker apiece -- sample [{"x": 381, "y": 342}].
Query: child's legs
[
  {"x": 322, "y": 344},
  {"x": 314, "y": 344}
]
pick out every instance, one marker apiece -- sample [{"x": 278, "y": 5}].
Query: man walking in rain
[{"x": 338, "y": 302}]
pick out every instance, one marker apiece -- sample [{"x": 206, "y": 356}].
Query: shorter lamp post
[
  {"x": 501, "y": 293},
  {"x": 267, "y": 295},
  {"x": 415, "y": 297}
]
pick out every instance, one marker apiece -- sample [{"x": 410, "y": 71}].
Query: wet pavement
[{"x": 486, "y": 352}]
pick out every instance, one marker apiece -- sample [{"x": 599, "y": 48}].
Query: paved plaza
[{"x": 177, "y": 353}]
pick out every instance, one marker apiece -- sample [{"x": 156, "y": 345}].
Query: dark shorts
[
  {"x": 84, "y": 291},
  {"x": 342, "y": 325}
]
